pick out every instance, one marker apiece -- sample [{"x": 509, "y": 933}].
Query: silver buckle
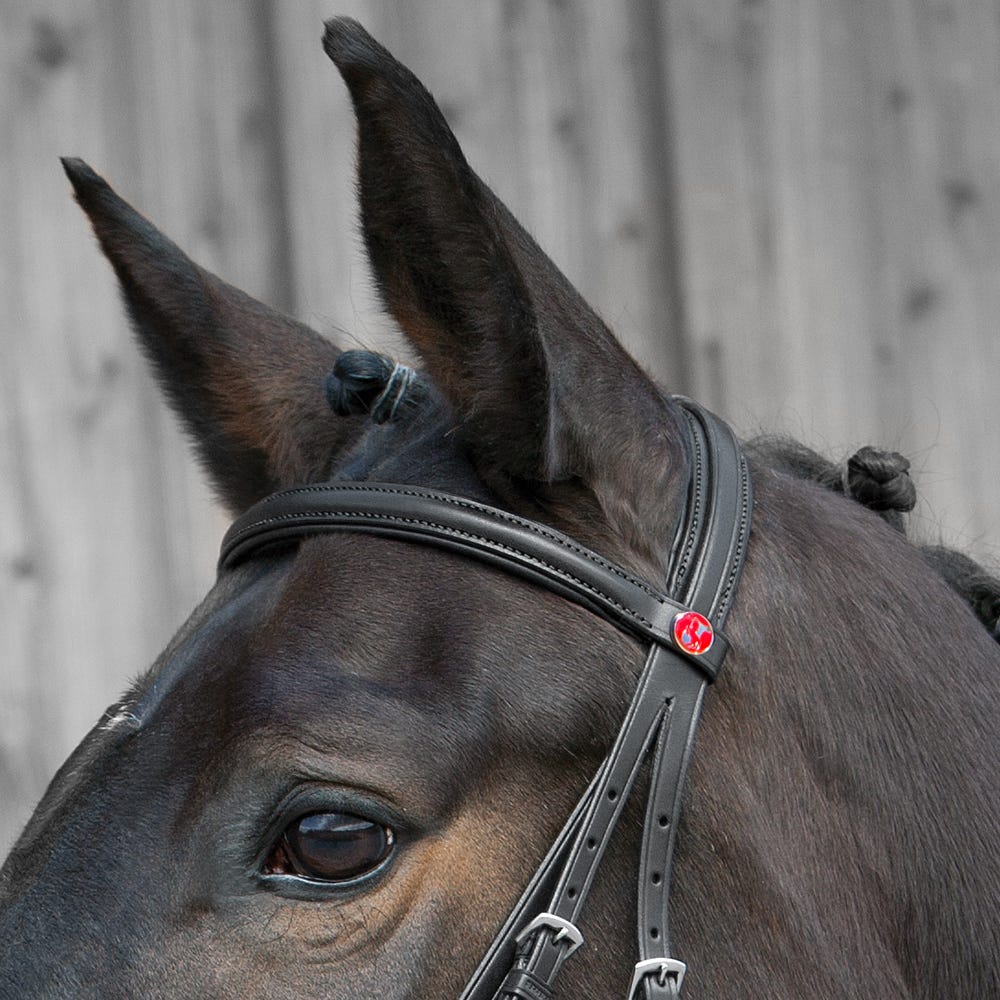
[
  {"x": 565, "y": 931},
  {"x": 662, "y": 967}
]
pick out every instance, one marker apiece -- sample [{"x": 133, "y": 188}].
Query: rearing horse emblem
[{"x": 693, "y": 633}]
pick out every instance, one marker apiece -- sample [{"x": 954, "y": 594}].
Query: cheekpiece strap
[{"x": 706, "y": 563}]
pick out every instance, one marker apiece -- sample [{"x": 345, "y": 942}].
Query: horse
[{"x": 342, "y": 773}]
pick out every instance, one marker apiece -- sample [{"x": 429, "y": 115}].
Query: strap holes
[
  {"x": 571, "y": 892},
  {"x": 612, "y": 795},
  {"x": 591, "y": 843},
  {"x": 657, "y": 878},
  {"x": 654, "y": 933},
  {"x": 664, "y": 822}
]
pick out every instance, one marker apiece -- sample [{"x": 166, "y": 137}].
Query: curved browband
[
  {"x": 705, "y": 565},
  {"x": 527, "y": 548}
]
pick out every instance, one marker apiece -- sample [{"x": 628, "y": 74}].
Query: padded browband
[{"x": 518, "y": 545}]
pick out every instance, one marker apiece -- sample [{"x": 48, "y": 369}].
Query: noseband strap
[{"x": 683, "y": 630}]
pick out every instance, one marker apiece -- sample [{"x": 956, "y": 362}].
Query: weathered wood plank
[
  {"x": 790, "y": 210},
  {"x": 331, "y": 288},
  {"x": 837, "y": 197},
  {"x": 114, "y": 530},
  {"x": 64, "y": 388}
]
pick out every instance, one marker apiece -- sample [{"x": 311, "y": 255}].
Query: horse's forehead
[
  {"x": 364, "y": 605},
  {"x": 377, "y": 659}
]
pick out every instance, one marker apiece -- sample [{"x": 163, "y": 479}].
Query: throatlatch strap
[{"x": 686, "y": 649}]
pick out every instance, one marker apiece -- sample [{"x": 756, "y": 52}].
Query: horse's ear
[
  {"x": 547, "y": 400},
  {"x": 246, "y": 381}
]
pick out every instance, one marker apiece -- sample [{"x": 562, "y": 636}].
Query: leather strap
[
  {"x": 500, "y": 956},
  {"x": 714, "y": 549},
  {"x": 656, "y": 691},
  {"x": 706, "y": 563},
  {"x": 706, "y": 560},
  {"x": 520, "y": 546}
]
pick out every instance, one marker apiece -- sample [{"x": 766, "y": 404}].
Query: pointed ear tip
[
  {"x": 82, "y": 176},
  {"x": 76, "y": 169},
  {"x": 347, "y": 43},
  {"x": 107, "y": 211}
]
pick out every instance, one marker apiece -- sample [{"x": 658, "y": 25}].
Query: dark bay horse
[{"x": 339, "y": 776}]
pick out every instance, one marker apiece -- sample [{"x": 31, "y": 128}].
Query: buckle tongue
[
  {"x": 565, "y": 931},
  {"x": 661, "y": 968}
]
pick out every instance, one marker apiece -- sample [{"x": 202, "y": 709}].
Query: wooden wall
[{"x": 787, "y": 208}]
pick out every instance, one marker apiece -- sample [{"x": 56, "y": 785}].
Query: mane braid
[
  {"x": 364, "y": 382},
  {"x": 880, "y": 481}
]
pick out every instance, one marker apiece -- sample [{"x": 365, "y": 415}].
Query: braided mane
[{"x": 880, "y": 481}]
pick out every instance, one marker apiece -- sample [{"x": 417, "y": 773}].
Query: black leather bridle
[{"x": 682, "y": 627}]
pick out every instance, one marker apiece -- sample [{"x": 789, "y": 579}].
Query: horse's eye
[{"x": 330, "y": 847}]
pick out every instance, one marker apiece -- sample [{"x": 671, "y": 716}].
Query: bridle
[
  {"x": 682, "y": 627},
  {"x": 683, "y": 630}
]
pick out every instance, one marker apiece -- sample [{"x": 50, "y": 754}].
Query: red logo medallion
[{"x": 693, "y": 633}]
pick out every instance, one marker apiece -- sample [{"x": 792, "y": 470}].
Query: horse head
[{"x": 340, "y": 775}]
